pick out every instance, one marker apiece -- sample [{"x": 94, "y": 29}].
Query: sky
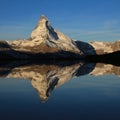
[{"x": 85, "y": 20}]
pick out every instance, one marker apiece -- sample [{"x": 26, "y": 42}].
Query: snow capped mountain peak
[
  {"x": 45, "y": 39},
  {"x": 43, "y": 30},
  {"x": 40, "y": 29},
  {"x": 43, "y": 17},
  {"x": 45, "y": 33}
]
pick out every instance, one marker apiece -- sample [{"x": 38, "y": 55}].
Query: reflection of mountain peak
[
  {"x": 45, "y": 77},
  {"x": 103, "y": 69},
  {"x": 53, "y": 77}
]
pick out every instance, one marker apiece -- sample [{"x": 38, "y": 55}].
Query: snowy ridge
[{"x": 105, "y": 47}]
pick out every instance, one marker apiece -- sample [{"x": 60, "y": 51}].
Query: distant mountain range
[{"x": 46, "y": 42}]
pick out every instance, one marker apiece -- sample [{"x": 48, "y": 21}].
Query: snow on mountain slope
[
  {"x": 105, "y": 47},
  {"x": 44, "y": 78}
]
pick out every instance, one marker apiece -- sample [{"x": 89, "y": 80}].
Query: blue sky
[{"x": 85, "y": 20}]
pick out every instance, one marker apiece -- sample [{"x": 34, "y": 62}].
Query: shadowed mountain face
[{"x": 47, "y": 76}]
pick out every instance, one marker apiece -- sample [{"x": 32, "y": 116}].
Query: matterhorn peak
[
  {"x": 43, "y": 17},
  {"x": 42, "y": 21},
  {"x": 43, "y": 30}
]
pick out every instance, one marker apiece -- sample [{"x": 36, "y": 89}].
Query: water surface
[{"x": 48, "y": 91}]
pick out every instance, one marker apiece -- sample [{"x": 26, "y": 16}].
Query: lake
[{"x": 69, "y": 91}]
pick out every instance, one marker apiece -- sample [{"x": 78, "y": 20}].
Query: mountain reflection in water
[{"x": 47, "y": 76}]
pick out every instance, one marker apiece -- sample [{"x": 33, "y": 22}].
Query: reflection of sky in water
[{"x": 81, "y": 98}]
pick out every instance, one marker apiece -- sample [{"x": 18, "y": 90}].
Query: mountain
[
  {"x": 45, "y": 42},
  {"x": 44, "y": 38}
]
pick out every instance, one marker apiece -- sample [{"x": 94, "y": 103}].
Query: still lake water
[{"x": 51, "y": 92}]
